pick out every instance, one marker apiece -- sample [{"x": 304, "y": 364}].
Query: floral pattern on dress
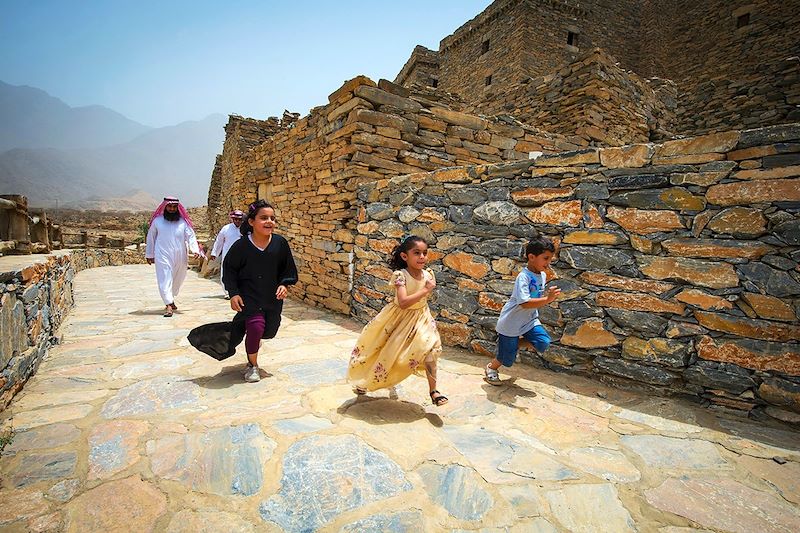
[
  {"x": 396, "y": 342},
  {"x": 354, "y": 356},
  {"x": 380, "y": 373}
]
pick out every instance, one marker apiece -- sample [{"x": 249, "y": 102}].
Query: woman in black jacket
[{"x": 257, "y": 271}]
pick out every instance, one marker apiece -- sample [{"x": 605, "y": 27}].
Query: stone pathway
[{"x": 127, "y": 428}]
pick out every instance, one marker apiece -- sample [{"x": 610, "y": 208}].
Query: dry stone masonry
[
  {"x": 309, "y": 168},
  {"x": 24, "y": 230},
  {"x": 734, "y": 64},
  {"x": 678, "y": 261},
  {"x": 592, "y": 101},
  {"x": 35, "y": 295}
]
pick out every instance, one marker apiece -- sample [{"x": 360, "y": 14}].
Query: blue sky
[{"x": 163, "y": 62}]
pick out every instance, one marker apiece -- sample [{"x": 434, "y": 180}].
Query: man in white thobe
[
  {"x": 228, "y": 235},
  {"x": 171, "y": 231}
]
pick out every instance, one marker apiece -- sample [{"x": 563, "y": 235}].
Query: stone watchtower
[{"x": 721, "y": 54}]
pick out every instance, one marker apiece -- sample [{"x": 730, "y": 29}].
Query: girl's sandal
[{"x": 441, "y": 399}]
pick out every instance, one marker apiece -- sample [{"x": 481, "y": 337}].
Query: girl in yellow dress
[{"x": 402, "y": 339}]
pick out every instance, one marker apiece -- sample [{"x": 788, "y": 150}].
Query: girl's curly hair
[{"x": 397, "y": 262}]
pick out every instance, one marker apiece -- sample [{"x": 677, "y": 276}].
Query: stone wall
[
  {"x": 309, "y": 168},
  {"x": 421, "y": 68},
  {"x": 767, "y": 94},
  {"x": 727, "y": 77},
  {"x": 465, "y": 61},
  {"x": 592, "y": 101},
  {"x": 25, "y": 230},
  {"x": 531, "y": 38},
  {"x": 678, "y": 261},
  {"x": 35, "y": 296}
]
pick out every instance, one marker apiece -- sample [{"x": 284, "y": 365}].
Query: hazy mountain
[
  {"x": 174, "y": 160},
  {"x": 31, "y": 118},
  {"x": 49, "y": 177},
  {"x": 64, "y": 155},
  {"x": 134, "y": 200}
]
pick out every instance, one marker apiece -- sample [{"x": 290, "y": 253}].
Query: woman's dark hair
[
  {"x": 539, "y": 245},
  {"x": 252, "y": 211},
  {"x": 397, "y": 262}
]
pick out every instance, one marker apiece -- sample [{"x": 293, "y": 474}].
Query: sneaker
[
  {"x": 492, "y": 377},
  {"x": 252, "y": 375}
]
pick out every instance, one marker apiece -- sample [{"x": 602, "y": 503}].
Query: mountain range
[{"x": 79, "y": 156}]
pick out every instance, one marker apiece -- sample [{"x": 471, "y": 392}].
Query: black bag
[{"x": 220, "y": 339}]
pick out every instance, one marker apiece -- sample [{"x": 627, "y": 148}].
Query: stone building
[
  {"x": 24, "y": 230},
  {"x": 309, "y": 168},
  {"x": 677, "y": 257},
  {"x": 734, "y": 62}
]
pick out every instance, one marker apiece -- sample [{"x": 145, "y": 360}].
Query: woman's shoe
[{"x": 252, "y": 375}]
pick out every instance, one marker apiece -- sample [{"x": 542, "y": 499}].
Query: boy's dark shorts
[{"x": 507, "y": 347}]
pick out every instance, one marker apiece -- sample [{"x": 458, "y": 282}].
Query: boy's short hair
[{"x": 539, "y": 245}]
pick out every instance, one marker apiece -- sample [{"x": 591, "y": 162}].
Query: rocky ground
[
  {"x": 128, "y": 225},
  {"x": 127, "y": 428}
]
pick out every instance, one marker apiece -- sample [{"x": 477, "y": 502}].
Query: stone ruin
[
  {"x": 684, "y": 67},
  {"x": 36, "y": 284},
  {"x": 677, "y": 256},
  {"x": 24, "y": 230}
]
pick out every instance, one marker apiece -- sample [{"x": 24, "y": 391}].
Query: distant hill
[
  {"x": 174, "y": 160},
  {"x": 135, "y": 200},
  {"x": 49, "y": 177},
  {"x": 31, "y": 118}
]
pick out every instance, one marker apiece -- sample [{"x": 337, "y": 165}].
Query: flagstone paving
[{"x": 125, "y": 427}]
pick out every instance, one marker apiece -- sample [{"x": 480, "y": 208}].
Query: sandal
[
  {"x": 173, "y": 306},
  {"x": 359, "y": 391},
  {"x": 491, "y": 376},
  {"x": 168, "y": 312},
  {"x": 438, "y": 400}
]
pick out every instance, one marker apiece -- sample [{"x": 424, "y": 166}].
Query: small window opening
[
  {"x": 485, "y": 46},
  {"x": 572, "y": 38},
  {"x": 434, "y": 83},
  {"x": 743, "y": 20},
  {"x": 488, "y": 80}
]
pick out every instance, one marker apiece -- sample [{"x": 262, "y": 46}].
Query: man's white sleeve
[
  {"x": 150, "y": 248},
  {"x": 218, "y": 243},
  {"x": 191, "y": 239}
]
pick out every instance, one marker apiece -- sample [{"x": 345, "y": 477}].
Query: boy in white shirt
[{"x": 520, "y": 315}]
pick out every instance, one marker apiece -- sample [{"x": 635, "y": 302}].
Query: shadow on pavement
[
  {"x": 633, "y": 397},
  {"x": 226, "y": 377},
  {"x": 150, "y": 312},
  {"x": 386, "y": 411},
  {"x": 507, "y": 393}
]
